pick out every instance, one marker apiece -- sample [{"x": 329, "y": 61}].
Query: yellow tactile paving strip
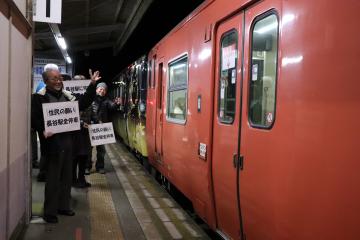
[{"x": 103, "y": 218}]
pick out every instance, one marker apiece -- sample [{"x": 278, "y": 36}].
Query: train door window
[
  {"x": 153, "y": 71},
  {"x": 143, "y": 76},
  {"x": 177, "y": 90},
  {"x": 160, "y": 78},
  {"x": 150, "y": 73},
  {"x": 263, "y": 72},
  {"x": 227, "y": 78}
]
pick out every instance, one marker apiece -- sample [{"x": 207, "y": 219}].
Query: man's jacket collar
[{"x": 66, "y": 93}]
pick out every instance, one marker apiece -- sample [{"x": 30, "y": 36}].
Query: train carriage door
[
  {"x": 159, "y": 110},
  {"x": 226, "y": 124},
  {"x": 263, "y": 178}
]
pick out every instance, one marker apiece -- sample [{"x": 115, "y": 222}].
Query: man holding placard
[
  {"x": 101, "y": 108},
  {"x": 55, "y": 114}
]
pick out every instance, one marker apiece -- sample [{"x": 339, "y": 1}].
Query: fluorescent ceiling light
[
  {"x": 68, "y": 59},
  {"x": 291, "y": 60},
  {"x": 267, "y": 28},
  {"x": 62, "y": 43},
  {"x": 181, "y": 65}
]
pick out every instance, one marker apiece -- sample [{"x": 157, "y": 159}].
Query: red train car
[{"x": 252, "y": 112}]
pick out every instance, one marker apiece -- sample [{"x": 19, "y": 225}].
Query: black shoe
[
  {"x": 82, "y": 184},
  {"x": 50, "y": 219},
  {"x": 86, "y": 184},
  {"x": 74, "y": 183},
  {"x": 66, "y": 212},
  {"x": 35, "y": 164},
  {"x": 41, "y": 177},
  {"x": 87, "y": 171}
]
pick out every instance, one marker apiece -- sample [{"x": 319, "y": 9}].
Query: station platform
[{"x": 124, "y": 203}]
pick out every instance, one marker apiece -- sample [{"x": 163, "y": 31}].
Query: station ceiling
[{"x": 118, "y": 25}]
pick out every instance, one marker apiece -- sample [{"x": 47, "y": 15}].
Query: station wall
[{"x": 15, "y": 82}]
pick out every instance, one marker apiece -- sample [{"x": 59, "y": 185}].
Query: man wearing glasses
[{"x": 58, "y": 147}]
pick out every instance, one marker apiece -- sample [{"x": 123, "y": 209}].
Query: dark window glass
[
  {"x": 227, "y": 78},
  {"x": 150, "y": 74},
  {"x": 177, "y": 90},
  {"x": 263, "y": 72}
]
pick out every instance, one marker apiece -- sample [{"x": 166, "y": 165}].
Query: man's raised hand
[{"x": 94, "y": 77}]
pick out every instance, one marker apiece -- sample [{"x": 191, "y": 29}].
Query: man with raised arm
[{"x": 59, "y": 146}]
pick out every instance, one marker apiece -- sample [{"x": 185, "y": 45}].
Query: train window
[
  {"x": 177, "y": 90},
  {"x": 150, "y": 73},
  {"x": 160, "y": 86},
  {"x": 153, "y": 71},
  {"x": 263, "y": 72},
  {"x": 227, "y": 78}
]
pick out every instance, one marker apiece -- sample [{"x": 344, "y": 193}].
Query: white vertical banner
[
  {"x": 101, "y": 134},
  {"x": 47, "y": 11},
  {"x": 61, "y": 116}
]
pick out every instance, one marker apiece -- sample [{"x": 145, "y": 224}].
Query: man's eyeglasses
[{"x": 56, "y": 79}]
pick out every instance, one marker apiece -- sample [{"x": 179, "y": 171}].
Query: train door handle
[{"x": 238, "y": 161}]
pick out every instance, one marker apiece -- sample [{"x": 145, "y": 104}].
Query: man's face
[
  {"x": 101, "y": 91},
  {"x": 54, "y": 81}
]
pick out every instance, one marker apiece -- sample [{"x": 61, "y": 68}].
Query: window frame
[
  {"x": 256, "y": 20},
  {"x": 173, "y": 62},
  {"x": 225, "y": 34}
]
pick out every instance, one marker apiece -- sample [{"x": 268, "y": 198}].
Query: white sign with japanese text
[
  {"x": 228, "y": 57},
  {"x": 101, "y": 134},
  {"x": 47, "y": 11},
  {"x": 76, "y": 86},
  {"x": 61, "y": 116}
]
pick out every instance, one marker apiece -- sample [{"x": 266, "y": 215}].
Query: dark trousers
[
  {"x": 79, "y": 166},
  {"x": 42, "y": 165},
  {"x": 89, "y": 160},
  {"x": 100, "y": 155},
  {"x": 58, "y": 182}
]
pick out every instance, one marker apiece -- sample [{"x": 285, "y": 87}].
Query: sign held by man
[
  {"x": 101, "y": 134},
  {"x": 61, "y": 117}
]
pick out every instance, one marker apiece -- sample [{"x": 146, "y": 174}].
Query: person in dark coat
[
  {"x": 83, "y": 150},
  {"x": 83, "y": 147},
  {"x": 59, "y": 146},
  {"x": 101, "y": 108}
]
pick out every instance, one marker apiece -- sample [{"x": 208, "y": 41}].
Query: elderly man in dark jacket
[
  {"x": 58, "y": 146},
  {"x": 101, "y": 107}
]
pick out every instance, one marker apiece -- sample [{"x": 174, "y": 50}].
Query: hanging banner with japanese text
[
  {"x": 76, "y": 86},
  {"x": 61, "y": 117},
  {"x": 101, "y": 134}
]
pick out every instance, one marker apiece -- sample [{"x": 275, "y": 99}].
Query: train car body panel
[
  {"x": 307, "y": 172},
  {"x": 129, "y": 121},
  {"x": 226, "y": 123},
  {"x": 141, "y": 138},
  {"x": 294, "y": 128},
  {"x": 151, "y": 108},
  {"x": 131, "y": 127},
  {"x": 120, "y": 127}
]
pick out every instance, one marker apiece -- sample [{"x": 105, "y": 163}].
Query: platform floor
[{"x": 124, "y": 203}]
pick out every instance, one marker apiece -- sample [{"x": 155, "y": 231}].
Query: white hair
[
  {"x": 50, "y": 67},
  {"x": 79, "y": 77}
]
